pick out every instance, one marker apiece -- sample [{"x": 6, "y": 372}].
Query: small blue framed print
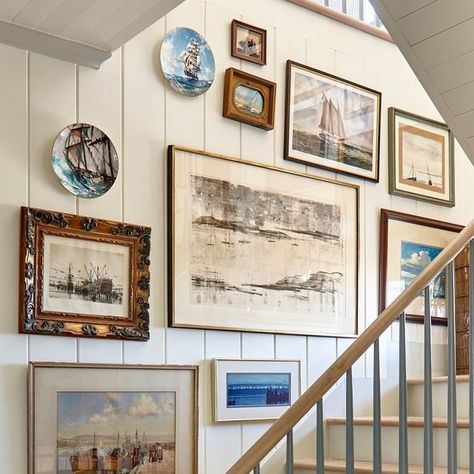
[{"x": 254, "y": 389}]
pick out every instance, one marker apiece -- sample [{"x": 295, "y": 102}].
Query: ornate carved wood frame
[{"x": 34, "y": 318}]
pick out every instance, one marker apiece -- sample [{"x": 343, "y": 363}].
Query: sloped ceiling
[
  {"x": 79, "y": 31},
  {"x": 437, "y": 39}
]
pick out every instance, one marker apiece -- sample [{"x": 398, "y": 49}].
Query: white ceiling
[
  {"x": 80, "y": 31},
  {"x": 437, "y": 39}
]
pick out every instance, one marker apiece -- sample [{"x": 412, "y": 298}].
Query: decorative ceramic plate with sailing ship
[
  {"x": 187, "y": 62},
  {"x": 85, "y": 161}
]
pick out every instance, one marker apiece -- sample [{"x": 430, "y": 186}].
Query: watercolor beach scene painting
[
  {"x": 187, "y": 62},
  {"x": 122, "y": 432}
]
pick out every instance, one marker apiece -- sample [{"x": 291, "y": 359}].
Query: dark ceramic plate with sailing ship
[
  {"x": 85, "y": 160},
  {"x": 187, "y": 62}
]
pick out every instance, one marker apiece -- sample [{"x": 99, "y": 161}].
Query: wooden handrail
[{"x": 329, "y": 378}]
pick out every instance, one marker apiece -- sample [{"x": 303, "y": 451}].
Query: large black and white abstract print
[
  {"x": 261, "y": 249},
  {"x": 264, "y": 250}
]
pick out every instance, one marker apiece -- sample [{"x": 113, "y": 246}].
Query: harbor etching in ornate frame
[
  {"x": 249, "y": 99},
  {"x": 248, "y": 42},
  {"x": 105, "y": 416},
  {"x": 83, "y": 277},
  {"x": 331, "y": 123},
  {"x": 421, "y": 158},
  {"x": 254, "y": 389},
  {"x": 258, "y": 248},
  {"x": 408, "y": 244}
]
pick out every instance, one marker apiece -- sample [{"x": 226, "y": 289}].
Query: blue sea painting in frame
[
  {"x": 254, "y": 389},
  {"x": 187, "y": 61},
  {"x": 85, "y": 160}
]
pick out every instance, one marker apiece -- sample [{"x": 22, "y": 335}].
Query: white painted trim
[{"x": 51, "y": 45}]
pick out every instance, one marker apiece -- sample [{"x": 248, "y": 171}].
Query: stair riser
[
  {"x": 440, "y": 400},
  {"x": 363, "y": 444}
]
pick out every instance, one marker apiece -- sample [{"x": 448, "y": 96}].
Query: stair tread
[
  {"x": 440, "y": 379},
  {"x": 361, "y": 467},
  {"x": 414, "y": 421}
]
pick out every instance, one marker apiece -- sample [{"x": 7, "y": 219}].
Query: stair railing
[{"x": 251, "y": 460}]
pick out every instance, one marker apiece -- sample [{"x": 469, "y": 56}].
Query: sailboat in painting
[{"x": 85, "y": 160}]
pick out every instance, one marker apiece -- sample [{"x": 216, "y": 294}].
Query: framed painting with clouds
[
  {"x": 112, "y": 418},
  {"x": 408, "y": 244},
  {"x": 421, "y": 158},
  {"x": 259, "y": 248}
]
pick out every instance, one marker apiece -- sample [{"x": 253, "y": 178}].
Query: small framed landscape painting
[
  {"x": 82, "y": 276},
  {"x": 254, "y": 389},
  {"x": 249, "y": 99},
  {"x": 249, "y": 42},
  {"x": 258, "y": 248},
  {"x": 331, "y": 123},
  {"x": 91, "y": 418},
  {"x": 408, "y": 244},
  {"x": 421, "y": 158}
]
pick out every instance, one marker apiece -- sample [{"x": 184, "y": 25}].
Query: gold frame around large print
[{"x": 247, "y": 272}]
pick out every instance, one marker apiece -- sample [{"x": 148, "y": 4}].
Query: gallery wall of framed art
[{"x": 131, "y": 102}]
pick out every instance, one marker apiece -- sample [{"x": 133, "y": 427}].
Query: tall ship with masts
[{"x": 192, "y": 60}]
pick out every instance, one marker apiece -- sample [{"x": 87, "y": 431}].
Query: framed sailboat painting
[
  {"x": 421, "y": 158},
  {"x": 331, "y": 123}
]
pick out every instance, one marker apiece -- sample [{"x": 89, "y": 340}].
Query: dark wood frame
[
  {"x": 235, "y": 78},
  {"x": 171, "y": 234},
  {"x": 259, "y": 31},
  {"x": 376, "y": 151},
  {"x": 385, "y": 216},
  {"x": 35, "y": 224},
  {"x": 392, "y": 157},
  {"x": 32, "y": 399}
]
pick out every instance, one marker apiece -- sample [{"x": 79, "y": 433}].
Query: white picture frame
[{"x": 254, "y": 389}]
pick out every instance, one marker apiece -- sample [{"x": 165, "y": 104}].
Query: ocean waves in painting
[
  {"x": 190, "y": 87},
  {"x": 83, "y": 186}
]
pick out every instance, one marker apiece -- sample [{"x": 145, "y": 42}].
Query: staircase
[
  {"x": 428, "y": 434},
  {"x": 363, "y": 426}
]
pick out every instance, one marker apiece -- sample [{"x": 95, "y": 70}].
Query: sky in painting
[
  {"x": 107, "y": 413},
  {"x": 258, "y": 378},
  {"x": 175, "y": 43}
]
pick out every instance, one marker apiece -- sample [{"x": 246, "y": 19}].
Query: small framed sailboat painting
[
  {"x": 187, "y": 62},
  {"x": 85, "y": 160},
  {"x": 331, "y": 123},
  {"x": 421, "y": 158}
]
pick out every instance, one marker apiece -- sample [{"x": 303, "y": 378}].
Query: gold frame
[
  {"x": 31, "y": 398},
  {"x": 215, "y": 381},
  {"x": 171, "y": 210}
]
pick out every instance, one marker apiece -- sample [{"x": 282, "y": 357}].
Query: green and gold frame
[{"x": 421, "y": 158}]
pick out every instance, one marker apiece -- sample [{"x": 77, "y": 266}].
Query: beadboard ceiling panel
[
  {"x": 80, "y": 31},
  {"x": 437, "y": 39}
]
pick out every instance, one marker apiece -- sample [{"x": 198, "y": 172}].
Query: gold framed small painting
[
  {"x": 249, "y": 99},
  {"x": 421, "y": 158}
]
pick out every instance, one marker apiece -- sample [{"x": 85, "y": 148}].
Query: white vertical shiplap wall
[{"x": 128, "y": 99}]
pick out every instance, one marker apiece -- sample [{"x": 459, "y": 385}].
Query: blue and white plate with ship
[
  {"x": 85, "y": 161},
  {"x": 187, "y": 62}
]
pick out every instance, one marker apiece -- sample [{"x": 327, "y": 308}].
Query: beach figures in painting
[
  {"x": 333, "y": 121},
  {"x": 414, "y": 259},
  {"x": 187, "y": 61},
  {"x": 116, "y": 432},
  {"x": 85, "y": 161},
  {"x": 258, "y": 389},
  {"x": 422, "y": 156}
]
